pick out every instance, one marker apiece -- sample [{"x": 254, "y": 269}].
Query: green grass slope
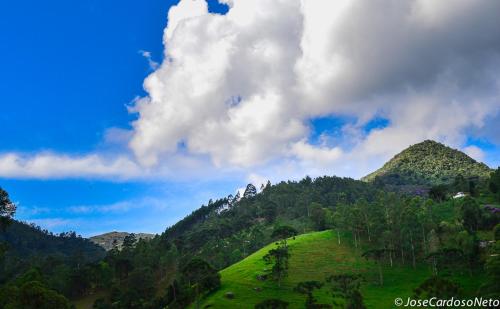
[
  {"x": 428, "y": 163},
  {"x": 314, "y": 256}
]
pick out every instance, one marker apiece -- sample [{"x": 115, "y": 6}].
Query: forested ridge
[
  {"x": 29, "y": 245},
  {"x": 428, "y": 163},
  {"x": 181, "y": 265}
]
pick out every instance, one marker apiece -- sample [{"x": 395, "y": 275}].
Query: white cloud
[
  {"x": 116, "y": 136},
  {"x": 51, "y": 223},
  {"x": 240, "y": 88},
  {"x": 153, "y": 65},
  {"x": 320, "y": 155},
  {"x": 236, "y": 92},
  {"x": 474, "y": 152},
  {"x": 50, "y": 166},
  {"x": 182, "y": 12},
  {"x": 121, "y": 206},
  {"x": 110, "y": 166}
]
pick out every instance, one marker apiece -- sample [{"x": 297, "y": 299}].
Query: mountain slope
[
  {"x": 252, "y": 219},
  {"x": 27, "y": 244},
  {"x": 428, "y": 163},
  {"x": 314, "y": 256},
  {"x": 106, "y": 240}
]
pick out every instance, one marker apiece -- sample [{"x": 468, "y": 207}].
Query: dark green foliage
[
  {"x": 250, "y": 191},
  {"x": 491, "y": 288},
  {"x": 446, "y": 259},
  {"x": 129, "y": 241},
  {"x": 494, "y": 183},
  {"x": 200, "y": 273},
  {"x": 101, "y": 303},
  {"x": 31, "y": 292},
  {"x": 36, "y": 296},
  {"x": 278, "y": 259},
  {"x": 345, "y": 287},
  {"x": 428, "y": 163},
  {"x": 136, "y": 273},
  {"x": 201, "y": 277},
  {"x": 284, "y": 232},
  {"x": 438, "y": 193},
  {"x": 471, "y": 214},
  {"x": 378, "y": 256},
  {"x": 438, "y": 287},
  {"x": 7, "y": 209},
  {"x": 460, "y": 184},
  {"x": 307, "y": 288},
  {"x": 318, "y": 215},
  {"x": 496, "y": 232},
  {"x": 272, "y": 304},
  {"x": 29, "y": 246}
]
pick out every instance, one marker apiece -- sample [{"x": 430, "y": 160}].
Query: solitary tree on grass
[
  {"x": 278, "y": 258},
  {"x": 283, "y": 232}
]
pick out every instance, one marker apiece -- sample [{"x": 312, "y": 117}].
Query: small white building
[{"x": 459, "y": 195}]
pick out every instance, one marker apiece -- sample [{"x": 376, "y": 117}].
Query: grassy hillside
[
  {"x": 428, "y": 163},
  {"x": 314, "y": 256}
]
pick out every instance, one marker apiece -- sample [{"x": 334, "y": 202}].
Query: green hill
[
  {"x": 314, "y": 256},
  {"x": 29, "y": 245},
  {"x": 428, "y": 163}
]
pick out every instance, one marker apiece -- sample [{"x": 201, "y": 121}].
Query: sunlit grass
[{"x": 314, "y": 256}]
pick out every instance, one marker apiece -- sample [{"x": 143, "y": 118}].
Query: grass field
[{"x": 314, "y": 256}]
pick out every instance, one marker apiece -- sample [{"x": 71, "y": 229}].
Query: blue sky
[
  {"x": 68, "y": 71},
  {"x": 90, "y": 143},
  {"x": 74, "y": 60}
]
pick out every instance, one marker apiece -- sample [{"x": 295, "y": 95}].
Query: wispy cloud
[
  {"x": 153, "y": 65},
  {"x": 148, "y": 203},
  {"x": 53, "y": 166},
  {"x": 54, "y": 223}
]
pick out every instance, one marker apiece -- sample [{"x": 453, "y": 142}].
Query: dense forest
[
  {"x": 38, "y": 266},
  {"x": 180, "y": 266}
]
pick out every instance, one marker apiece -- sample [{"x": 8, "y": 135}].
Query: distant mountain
[
  {"x": 428, "y": 163},
  {"x": 106, "y": 240}
]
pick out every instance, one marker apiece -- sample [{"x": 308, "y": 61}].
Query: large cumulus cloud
[
  {"x": 236, "y": 94},
  {"x": 241, "y": 88}
]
